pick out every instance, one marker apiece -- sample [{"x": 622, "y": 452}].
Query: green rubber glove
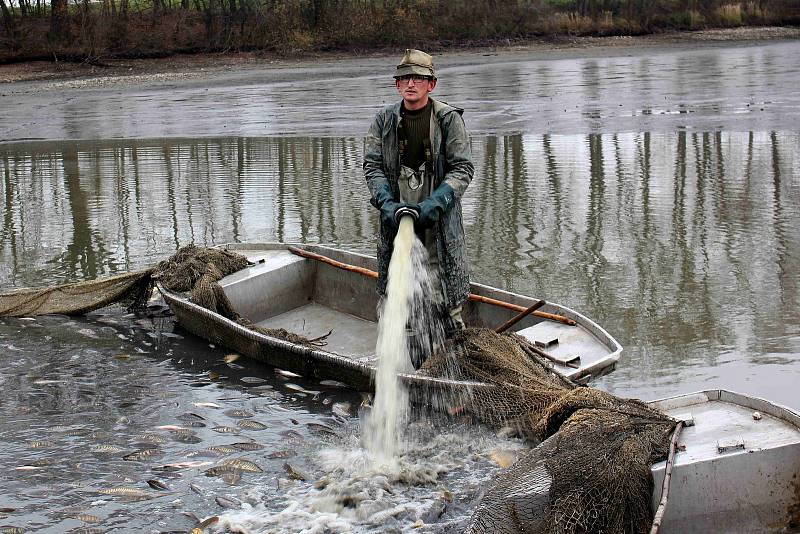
[
  {"x": 384, "y": 201},
  {"x": 432, "y": 208}
]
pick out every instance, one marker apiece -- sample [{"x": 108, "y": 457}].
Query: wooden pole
[
  {"x": 518, "y": 317},
  {"x": 662, "y": 506},
  {"x": 472, "y": 296}
]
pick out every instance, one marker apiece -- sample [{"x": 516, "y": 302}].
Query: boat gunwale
[
  {"x": 752, "y": 402},
  {"x": 600, "y": 367}
]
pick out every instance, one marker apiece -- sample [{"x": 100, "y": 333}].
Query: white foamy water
[{"x": 429, "y": 489}]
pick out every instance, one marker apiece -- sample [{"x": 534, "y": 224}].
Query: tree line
[{"x": 89, "y": 30}]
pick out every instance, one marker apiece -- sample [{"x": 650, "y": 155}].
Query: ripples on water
[{"x": 684, "y": 246}]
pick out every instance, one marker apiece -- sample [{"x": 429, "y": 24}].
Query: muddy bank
[{"x": 180, "y": 67}]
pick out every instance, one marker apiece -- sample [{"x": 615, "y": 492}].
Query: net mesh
[
  {"x": 590, "y": 470},
  {"x": 193, "y": 269}
]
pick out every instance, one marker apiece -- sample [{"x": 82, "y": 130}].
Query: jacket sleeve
[
  {"x": 458, "y": 164},
  {"x": 373, "y": 158}
]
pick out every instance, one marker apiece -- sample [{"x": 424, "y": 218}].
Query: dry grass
[{"x": 161, "y": 27}]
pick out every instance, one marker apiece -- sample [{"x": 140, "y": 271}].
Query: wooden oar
[
  {"x": 520, "y": 316},
  {"x": 472, "y": 296}
]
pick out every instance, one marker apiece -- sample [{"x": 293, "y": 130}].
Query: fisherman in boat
[{"x": 417, "y": 157}]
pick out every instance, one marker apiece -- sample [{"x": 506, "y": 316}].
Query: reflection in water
[{"x": 683, "y": 245}]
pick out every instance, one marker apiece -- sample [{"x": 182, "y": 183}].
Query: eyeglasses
[{"x": 416, "y": 78}]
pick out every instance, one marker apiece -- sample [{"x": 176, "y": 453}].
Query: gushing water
[{"x": 409, "y": 294}]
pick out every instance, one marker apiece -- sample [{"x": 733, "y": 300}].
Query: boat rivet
[{"x": 757, "y": 416}]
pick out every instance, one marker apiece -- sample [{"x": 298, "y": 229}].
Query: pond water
[{"x": 657, "y": 191}]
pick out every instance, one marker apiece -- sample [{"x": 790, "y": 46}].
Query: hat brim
[{"x": 405, "y": 70}]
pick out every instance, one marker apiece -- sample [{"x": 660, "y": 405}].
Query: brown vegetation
[{"x": 90, "y": 30}]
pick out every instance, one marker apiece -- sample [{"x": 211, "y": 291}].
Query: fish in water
[
  {"x": 226, "y": 429},
  {"x": 222, "y": 449},
  {"x": 293, "y": 473},
  {"x": 247, "y": 446},
  {"x": 319, "y": 428},
  {"x": 190, "y": 416},
  {"x": 281, "y": 454},
  {"x": 342, "y": 409},
  {"x": 185, "y": 436},
  {"x": 206, "y": 405},
  {"x": 157, "y": 484},
  {"x": 141, "y": 454},
  {"x": 153, "y": 439},
  {"x": 40, "y": 444},
  {"x": 12, "y": 530},
  {"x": 124, "y": 491},
  {"x": 251, "y": 424},
  {"x": 230, "y": 358},
  {"x": 252, "y": 380},
  {"x": 87, "y": 518},
  {"x": 220, "y": 470},
  {"x": 107, "y": 449},
  {"x": 226, "y": 502},
  {"x": 239, "y": 414},
  {"x": 288, "y": 374},
  {"x": 243, "y": 465}
]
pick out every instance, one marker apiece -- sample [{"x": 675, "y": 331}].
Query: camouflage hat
[{"x": 415, "y": 62}]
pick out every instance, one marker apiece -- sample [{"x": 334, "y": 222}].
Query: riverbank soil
[{"x": 134, "y": 71}]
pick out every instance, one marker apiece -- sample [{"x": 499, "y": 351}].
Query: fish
[
  {"x": 195, "y": 488},
  {"x": 27, "y": 468},
  {"x": 191, "y": 416},
  {"x": 197, "y": 424},
  {"x": 293, "y": 473},
  {"x": 87, "y": 518},
  {"x": 124, "y": 491},
  {"x": 281, "y": 454},
  {"x": 153, "y": 439},
  {"x": 46, "y": 382},
  {"x": 251, "y": 424},
  {"x": 185, "y": 436},
  {"x": 230, "y": 358},
  {"x": 184, "y": 465},
  {"x": 288, "y": 374},
  {"x": 333, "y": 383},
  {"x": 7, "y": 510},
  {"x": 170, "y": 427},
  {"x": 243, "y": 465},
  {"x": 222, "y": 449},
  {"x": 247, "y": 446},
  {"x": 11, "y": 530},
  {"x": 213, "y": 375},
  {"x": 206, "y": 405},
  {"x": 235, "y": 366},
  {"x": 141, "y": 454},
  {"x": 252, "y": 380},
  {"x": 221, "y": 470},
  {"x": 40, "y": 444},
  {"x": 238, "y": 413},
  {"x": 226, "y": 429},
  {"x": 225, "y": 502},
  {"x": 157, "y": 484},
  {"x": 321, "y": 429}
]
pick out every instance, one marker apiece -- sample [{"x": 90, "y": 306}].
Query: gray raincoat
[{"x": 452, "y": 160}]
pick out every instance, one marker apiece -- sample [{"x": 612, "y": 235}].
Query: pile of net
[
  {"x": 193, "y": 269},
  {"x": 590, "y": 468}
]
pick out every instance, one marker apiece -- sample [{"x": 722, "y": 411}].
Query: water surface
[{"x": 655, "y": 191}]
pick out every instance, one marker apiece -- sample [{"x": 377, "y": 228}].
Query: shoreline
[{"x": 185, "y": 66}]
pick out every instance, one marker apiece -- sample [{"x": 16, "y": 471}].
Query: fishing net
[
  {"x": 193, "y": 269},
  {"x": 590, "y": 470}
]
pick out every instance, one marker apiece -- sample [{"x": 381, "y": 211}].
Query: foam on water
[{"x": 428, "y": 488}]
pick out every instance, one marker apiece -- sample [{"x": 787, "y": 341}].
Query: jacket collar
[{"x": 440, "y": 109}]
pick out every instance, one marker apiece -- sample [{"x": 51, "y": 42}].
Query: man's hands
[
  {"x": 433, "y": 207},
  {"x": 428, "y": 211}
]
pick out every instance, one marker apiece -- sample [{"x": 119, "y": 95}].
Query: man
[{"x": 417, "y": 156}]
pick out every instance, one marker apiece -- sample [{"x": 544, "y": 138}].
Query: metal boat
[
  {"x": 737, "y": 469},
  {"x": 281, "y": 289}
]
